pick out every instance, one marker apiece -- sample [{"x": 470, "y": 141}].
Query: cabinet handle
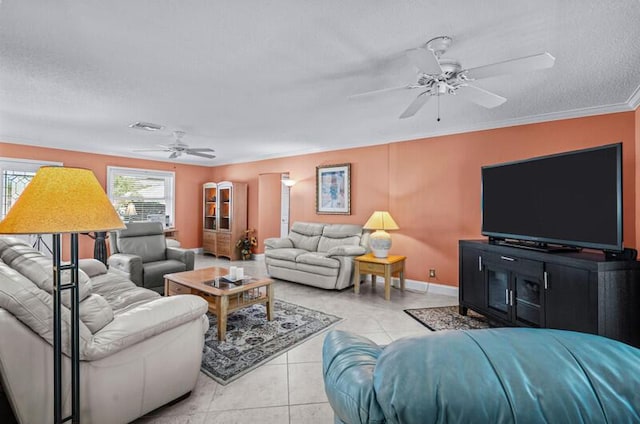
[
  {"x": 506, "y": 296},
  {"x": 511, "y": 297},
  {"x": 506, "y": 258},
  {"x": 479, "y": 263},
  {"x": 546, "y": 280}
]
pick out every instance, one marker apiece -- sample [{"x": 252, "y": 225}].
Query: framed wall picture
[{"x": 333, "y": 189}]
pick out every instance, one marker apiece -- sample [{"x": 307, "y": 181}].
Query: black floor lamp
[{"x": 62, "y": 200}]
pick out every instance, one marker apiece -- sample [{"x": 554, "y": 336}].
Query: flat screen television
[{"x": 569, "y": 199}]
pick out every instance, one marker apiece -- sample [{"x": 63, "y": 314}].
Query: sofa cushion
[
  {"x": 150, "y": 247},
  {"x": 95, "y": 312},
  {"x": 34, "y": 308},
  {"x": 342, "y": 230},
  {"x": 17, "y": 254},
  {"x": 308, "y": 228},
  {"x": 92, "y": 267},
  {"x": 339, "y": 235},
  {"x": 318, "y": 259},
  {"x": 318, "y": 270},
  {"x": 120, "y": 293},
  {"x": 285, "y": 254},
  {"x": 306, "y": 235},
  {"x": 511, "y": 375},
  {"x": 154, "y": 271}
]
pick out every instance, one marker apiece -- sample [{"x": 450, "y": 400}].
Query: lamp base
[{"x": 380, "y": 243}]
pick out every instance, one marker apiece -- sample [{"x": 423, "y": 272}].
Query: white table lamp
[{"x": 380, "y": 240}]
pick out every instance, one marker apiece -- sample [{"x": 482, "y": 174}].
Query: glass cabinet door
[
  {"x": 210, "y": 208},
  {"x": 528, "y": 300},
  {"x": 498, "y": 290},
  {"x": 224, "y": 208}
]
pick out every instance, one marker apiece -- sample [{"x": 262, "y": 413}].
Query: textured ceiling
[{"x": 256, "y": 79}]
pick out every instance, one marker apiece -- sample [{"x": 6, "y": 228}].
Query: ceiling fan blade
[
  {"x": 480, "y": 96},
  {"x": 174, "y": 155},
  {"x": 415, "y": 106},
  {"x": 152, "y": 150},
  {"x": 425, "y": 60},
  {"x": 200, "y": 149},
  {"x": 202, "y": 155},
  {"x": 383, "y": 90},
  {"x": 523, "y": 64}
]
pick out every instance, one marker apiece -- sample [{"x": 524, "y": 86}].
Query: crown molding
[
  {"x": 634, "y": 100},
  {"x": 536, "y": 119}
]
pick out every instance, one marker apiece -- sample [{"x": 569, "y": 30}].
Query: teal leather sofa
[{"x": 506, "y": 375}]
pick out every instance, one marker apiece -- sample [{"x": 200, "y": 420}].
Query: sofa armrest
[
  {"x": 348, "y": 363},
  {"x": 348, "y": 250},
  {"x": 185, "y": 256},
  {"x": 143, "y": 322},
  {"x": 277, "y": 243},
  {"x": 130, "y": 266}
]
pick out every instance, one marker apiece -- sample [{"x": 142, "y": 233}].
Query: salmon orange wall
[
  {"x": 369, "y": 183},
  {"x": 189, "y": 180},
  {"x": 432, "y": 186}
]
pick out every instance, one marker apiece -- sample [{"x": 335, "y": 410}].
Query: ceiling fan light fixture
[
  {"x": 439, "y": 45},
  {"x": 147, "y": 126}
]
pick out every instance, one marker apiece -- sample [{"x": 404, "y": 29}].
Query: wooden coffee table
[{"x": 223, "y": 298}]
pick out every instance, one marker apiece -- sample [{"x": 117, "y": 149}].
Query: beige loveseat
[
  {"x": 316, "y": 254},
  {"x": 138, "y": 350}
]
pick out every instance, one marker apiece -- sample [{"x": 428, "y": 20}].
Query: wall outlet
[{"x": 432, "y": 273}]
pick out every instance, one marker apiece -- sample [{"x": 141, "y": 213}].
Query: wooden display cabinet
[{"x": 224, "y": 218}]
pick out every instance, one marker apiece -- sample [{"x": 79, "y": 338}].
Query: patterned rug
[
  {"x": 448, "y": 318},
  {"x": 252, "y": 340}
]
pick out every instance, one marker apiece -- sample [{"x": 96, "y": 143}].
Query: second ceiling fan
[
  {"x": 439, "y": 76},
  {"x": 178, "y": 147}
]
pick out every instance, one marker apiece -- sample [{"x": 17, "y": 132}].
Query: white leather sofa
[
  {"x": 138, "y": 350},
  {"x": 316, "y": 254}
]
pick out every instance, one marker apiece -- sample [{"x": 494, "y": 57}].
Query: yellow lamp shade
[
  {"x": 61, "y": 200},
  {"x": 381, "y": 220}
]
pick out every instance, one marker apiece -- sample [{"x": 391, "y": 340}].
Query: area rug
[
  {"x": 252, "y": 340},
  {"x": 448, "y": 318}
]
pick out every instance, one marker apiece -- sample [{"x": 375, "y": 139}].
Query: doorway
[{"x": 284, "y": 206}]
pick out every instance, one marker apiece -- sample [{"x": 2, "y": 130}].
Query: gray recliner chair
[{"x": 140, "y": 253}]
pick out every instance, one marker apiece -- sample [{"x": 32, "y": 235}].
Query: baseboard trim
[
  {"x": 427, "y": 287},
  {"x": 413, "y": 285}
]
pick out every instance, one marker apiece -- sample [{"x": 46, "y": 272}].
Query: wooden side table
[{"x": 384, "y": 267}]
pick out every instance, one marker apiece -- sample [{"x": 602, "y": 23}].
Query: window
[
  {"x": 142, "y": 195},
  {"x": 15, "y": 175}
]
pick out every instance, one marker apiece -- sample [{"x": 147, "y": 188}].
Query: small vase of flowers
[{"x": 247, "y": 243}]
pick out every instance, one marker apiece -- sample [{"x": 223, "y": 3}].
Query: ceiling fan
[
  {"x": 438, "y": 76},
  {"x": 178, "y": 147}
]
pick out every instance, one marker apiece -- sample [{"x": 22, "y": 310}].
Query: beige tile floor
[{"x": 289, "y": 389}]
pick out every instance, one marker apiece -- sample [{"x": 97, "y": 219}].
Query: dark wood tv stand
[{"x": 578, "y": 291}]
